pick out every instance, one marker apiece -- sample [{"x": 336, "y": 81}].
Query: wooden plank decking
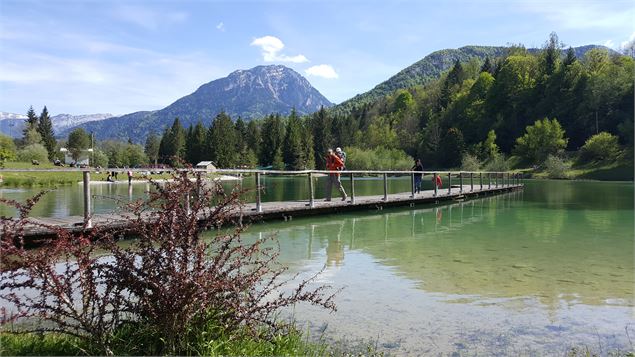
[{"x": 287, "y": 209}]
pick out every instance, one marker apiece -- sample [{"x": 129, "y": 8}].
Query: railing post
[
  {"x": 489, "y": 180},
  {"x": 88, "y": 221},
  {"x": 460, "y": 182},
  {"x": 311, "y": 195},
  {"x": 436, "y": 188},
  {"x": 258, "y": 199},
  {"x": 480, "y": 178},
  {"x": 352, "y": 189},
  {"x": 412, "y": 185},
  {"x": 385, "y": 187},
  {"x": 188, "y": 210},
  {"x": 496, "y": 179},
  {"x": 471, "y": 181},
  {"x": 449, "y": 183}
]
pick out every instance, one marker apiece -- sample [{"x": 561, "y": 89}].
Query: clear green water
[
  {"x": 527, "y": 273},
  {"x": 533, "y": 272}
]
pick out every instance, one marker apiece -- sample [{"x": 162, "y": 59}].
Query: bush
[
  {"x": 168, "y": 292},
  {"x": 33, "y": 152},
  {"x": 377, "y": 159},
  {"x": 602, "y": 146},
  {"x": 544, "y": 138},
  {"x": 470, "y": 163},
  {"x": 556, "y": 167},
  {"x": 497, "y": 163}
]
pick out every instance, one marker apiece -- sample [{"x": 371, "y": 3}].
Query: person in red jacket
[
  {"x": 439, "y": 182},
  {"x": 334, "y": 163}
]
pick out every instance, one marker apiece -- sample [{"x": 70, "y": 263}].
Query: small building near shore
[
  {"x": 207, "y": 165},
  {"x": 84, "y": 157}
]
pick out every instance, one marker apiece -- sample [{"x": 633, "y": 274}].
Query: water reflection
[{"x": 458, "y": 277}]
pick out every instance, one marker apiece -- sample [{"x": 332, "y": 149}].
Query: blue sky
[{"x": 82, "y": 57}]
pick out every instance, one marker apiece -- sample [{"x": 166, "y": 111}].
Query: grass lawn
[{"x": 37, "y": 179}]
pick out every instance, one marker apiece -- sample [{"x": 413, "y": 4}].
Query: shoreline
[{"x": 120, "y": 182}]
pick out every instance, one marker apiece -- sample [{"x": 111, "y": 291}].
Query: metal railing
[{"x": 491, "y": 179}]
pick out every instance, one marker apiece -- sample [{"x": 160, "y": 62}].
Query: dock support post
[
  {"x": 496, "y": 179},
  {"x": 436, "y": 188},
  {"x": 471, "y": 181},
  {"x": 412, "y": 185},
  {"x": 460, "y": 182},
  {"x": 88, "y": 221},
  {"x": 385, "y": 186},
  {"x": 352, "y": 189},
  {"x": 258, "y": 198},
  {"x": 311, "y": 197},
  {"x": 449, "y": 183},
  {"x": 480, "y": 178}
]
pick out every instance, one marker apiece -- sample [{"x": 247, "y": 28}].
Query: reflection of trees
[
  {"x": 454, "y": 249},
  {"x": 573, "y": 195},
  {"x": 541, "y": 224},
  {"x": 602, "y": 221}
]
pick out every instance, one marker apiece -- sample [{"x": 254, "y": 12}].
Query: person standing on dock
[
  {"x": 129, "y": 177},
  {"x": 334, "y": 163},
  {"x": 417, "y": 167}
]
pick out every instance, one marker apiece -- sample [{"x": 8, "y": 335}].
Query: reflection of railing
[{"x": 494, "y": 180}]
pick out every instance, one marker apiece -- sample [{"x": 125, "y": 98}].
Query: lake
[{"x": 530, "y": 272}]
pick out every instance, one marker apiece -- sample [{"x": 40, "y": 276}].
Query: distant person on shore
[
  {"x": 129, "y": 177},
  {"x": 417, "y": 167},
  {"x": 109, "y": 178},
  {"x": 342, "y": 155},
  {"x": 334, "y": 163}
]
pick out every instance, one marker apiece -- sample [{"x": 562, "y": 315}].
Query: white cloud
[
  {"x": 322, "y": 70},
  {"x": 628, "y": 45},
  {"x": 148, "y": 18},
  {"x": 220, "y": 27},
  {"x": 122, "y": 82},
  {"x": 609, "y": 44},
  {"x": 271, "y": 46}
]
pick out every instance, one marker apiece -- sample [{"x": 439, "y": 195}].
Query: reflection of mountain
[{"x": 479, "y": 248}]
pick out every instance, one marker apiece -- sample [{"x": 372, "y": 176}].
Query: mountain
[
  {"x": 249, "y": 94},
  {"x": 12, "y": 124},
  {"x": 62, "y": 122},
  {"x": 432, "y": 66}
]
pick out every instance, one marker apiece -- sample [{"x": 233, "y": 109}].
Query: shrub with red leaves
[{"x": 168, "y": 281}]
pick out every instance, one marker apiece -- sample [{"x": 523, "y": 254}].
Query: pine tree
[
  {"x": 31, "y": 122},
  {"x": 151, "y": 148},
  {"x": 273, "y": 133},
  {"x": 163, "y": 153},
  {"x": 241, "y": 136},
  {"x": 196, "y": 144},
  {"x": 293, "y": 153},
  {"x": 172, "y": 146},
  {"x": 253, "y": 138},
  {"x": 321, "y": 123},
  {"x": 222, "y": 139},
  {"x": 307, "y": 145},
  {"x": 570, "y": 58},
  {"x": 551, "y": 54},
  {"x": 487, "y": 66}
]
